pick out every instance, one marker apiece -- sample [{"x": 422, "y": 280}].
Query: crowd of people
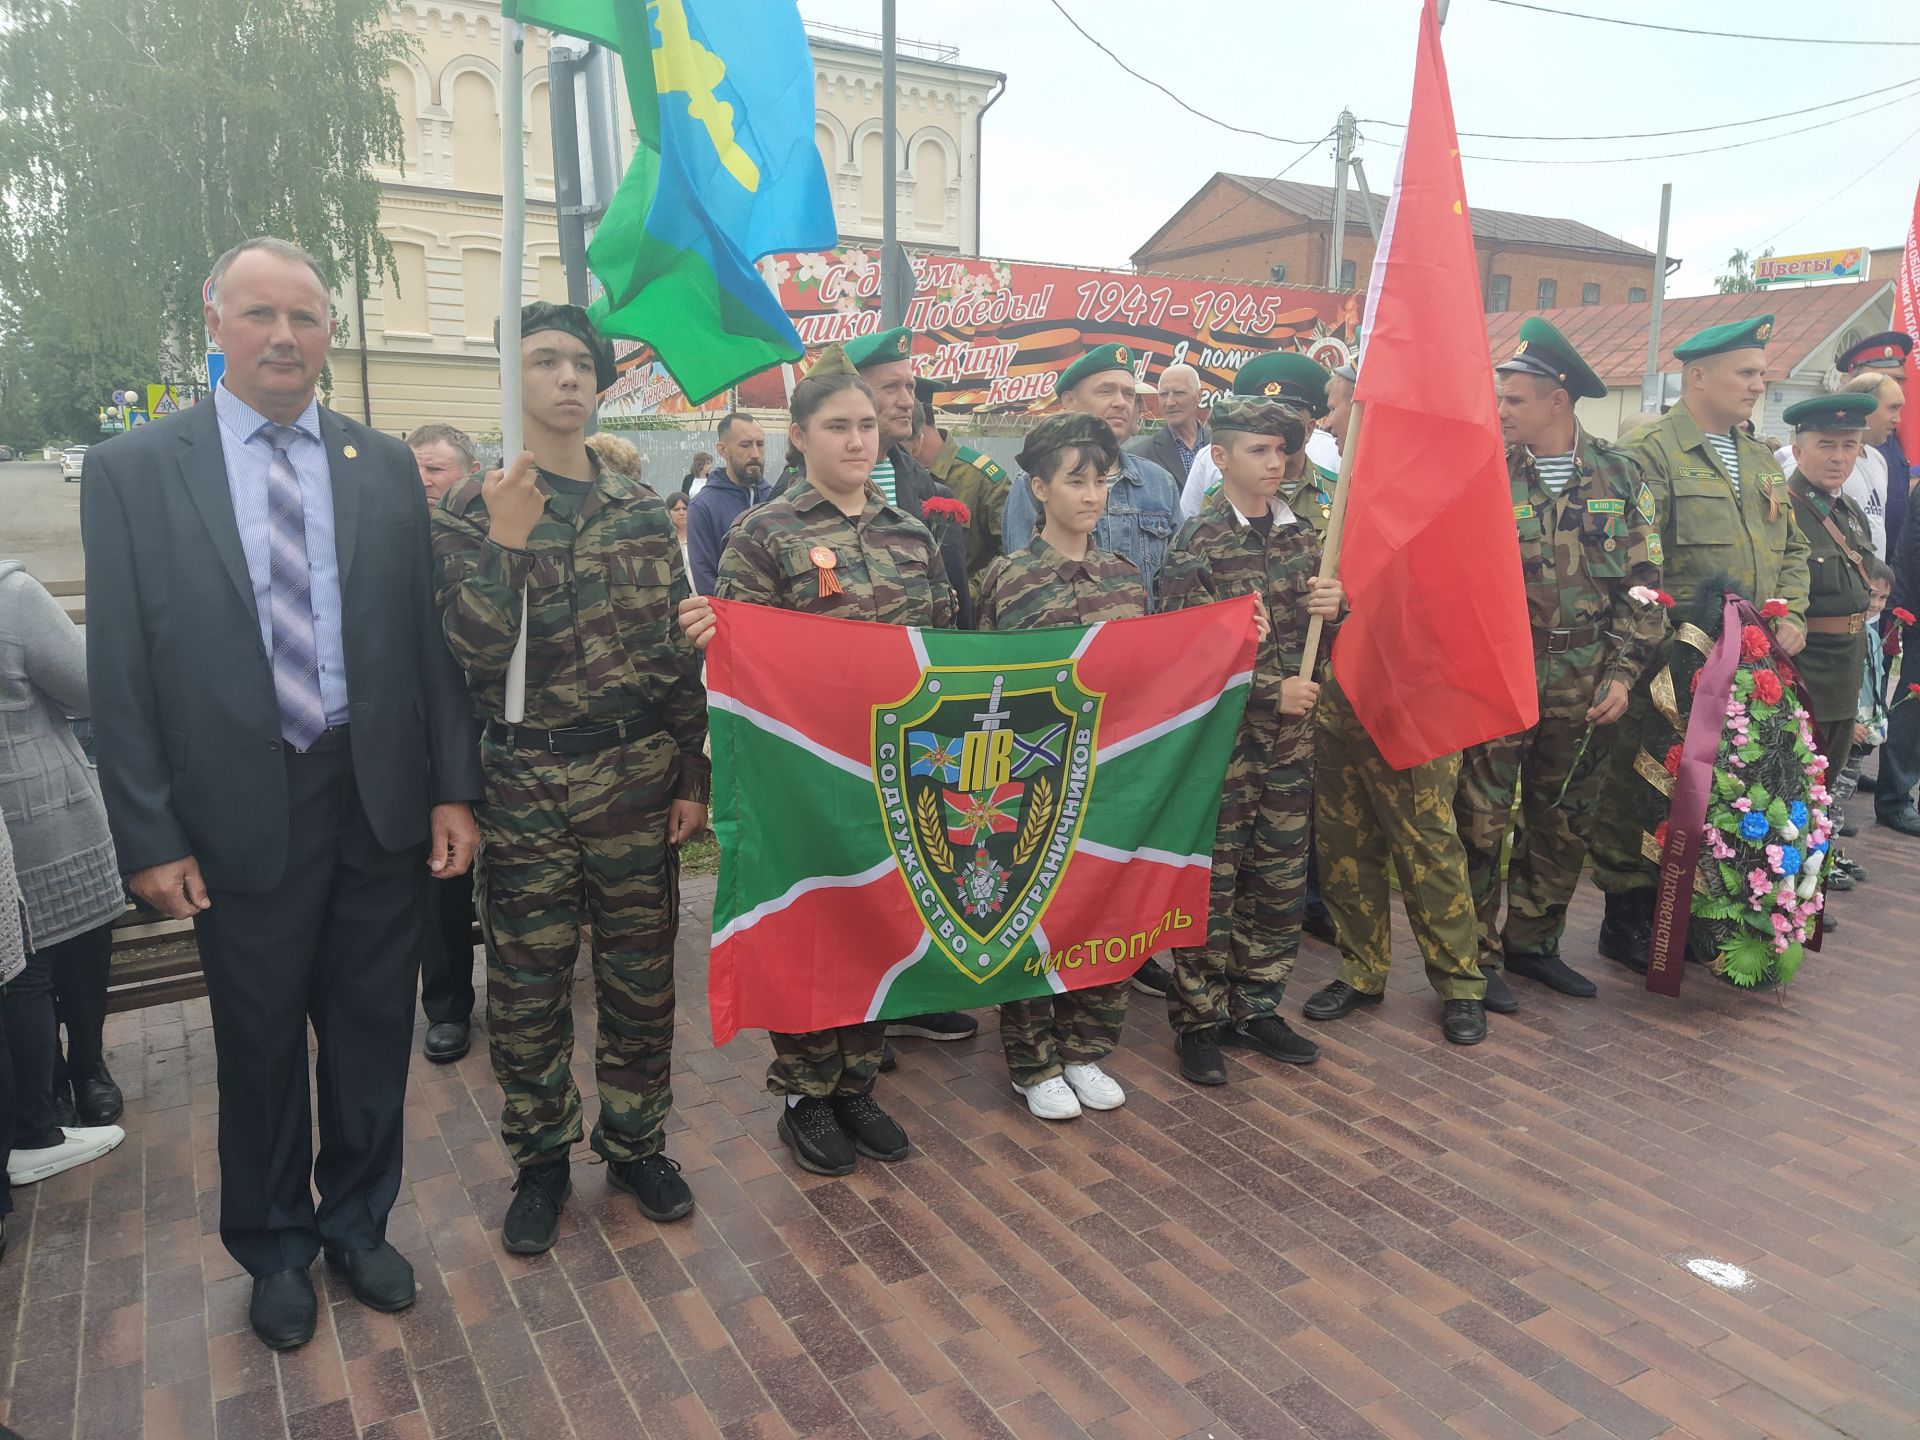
[{"x": 298, "y": 679}]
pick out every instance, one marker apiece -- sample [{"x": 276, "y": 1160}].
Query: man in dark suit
[
  {"x": 1183, "y": 433},
  {"x": 287, "y": 755}
]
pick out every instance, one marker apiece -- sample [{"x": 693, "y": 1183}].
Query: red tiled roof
[{"x": 1613, "y": 338}]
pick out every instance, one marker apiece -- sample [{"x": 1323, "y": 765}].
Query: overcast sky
[{"x": 1082, "y": 162}]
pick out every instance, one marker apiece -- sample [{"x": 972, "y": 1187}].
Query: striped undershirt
[
  {"x": 1554, "y": 471},
  {"x": 883, "y": 477},
  {"x": 1730, "y": 456}
]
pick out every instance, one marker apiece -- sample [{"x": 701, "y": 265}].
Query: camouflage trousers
[
  {"x": 569, "y": 841},
  {"x": 1076, "y": 1027},
  {"x": 1622, "y": 821},
  {"x": 824, "y": 1063},
  {"x": 1551, "y": 834},
  {"x": 1368, "y": 813},
  {"x": 1258, "y": 893}
]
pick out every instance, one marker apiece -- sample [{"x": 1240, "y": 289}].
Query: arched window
[
  {"x": 476, "y": 133},
  {"x": 403, "y": 306},
  {"x": 480, "y": 279},
  {"x": 873, "y": 174},
  {"x": 540, "y": 145},
  {"x": 406, "y": 100},
  {"x": 930, "y": 185}
]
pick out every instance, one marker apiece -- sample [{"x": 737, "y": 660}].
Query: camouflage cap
[
  {"x": 1057, "y": 432},
  {"x": 881, "y": 348},
  {"x": 1719, "y": 339},
  {"x": 1844, "y": 412},
  {"x": 569, "y": 320},
  {"x": 1285, "y": 375},
  {"x": 1261, "y": 417}
]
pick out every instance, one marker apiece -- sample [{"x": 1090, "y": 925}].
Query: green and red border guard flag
[
  {"x": 919, "y": 820},
  {"x": 1437, "y": 654},
  {"x": 1906, "y": 317}
]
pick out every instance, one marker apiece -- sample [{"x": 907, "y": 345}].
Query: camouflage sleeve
[
  {"x": 1184, "y": 580},
  {"x": 685, "y": 710},
  {"x": 479, "y": 589},
  {"x": 1637, "y": 629},
  {"x": 1795, "y": 581},
  {"x": 986, "y": 609},
  {"x": 747, "y": 571},
  {"x": 946, "y": 608}
]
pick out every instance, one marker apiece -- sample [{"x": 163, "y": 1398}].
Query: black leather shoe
[
  {"x": 1319, "y": 924},
  {"x": 446, "y": 1041},
  {"x": 533, "y": 1219},
  {"x": 945, "y": 1025},
  {"x": 96, "y": 1099},
  {"x": 1906, "y": 821},
  {"x": 283, "y": 1309},
  {"x": 814, "y": 1135},
  {"x": 1626, "y": 934},
  {"x": 1337, "y": 999},
  {"x": 1200, "y": 1057},
  {"x": 1500, "y": 997},
  {"x": 1551, "y": 971},
  {"x": 380, "y": 1278},
  {"x": 1273, "y": 1038},
  {"x": 655, "y": 1184},
  {"x": 1465, "y": 1022},
  {"x": 872, "y": 1130},
  {"x": 1152, "y": 979}
]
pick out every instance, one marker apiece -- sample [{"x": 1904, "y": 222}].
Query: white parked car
[{"x": 70, "y": 461}]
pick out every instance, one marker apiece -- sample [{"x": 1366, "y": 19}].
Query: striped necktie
[{"x": 296, "y": 664}]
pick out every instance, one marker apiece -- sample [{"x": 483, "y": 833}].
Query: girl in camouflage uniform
[
  {"x": 1055, "y": 1043},
  {"x": 830, "y": 545}
]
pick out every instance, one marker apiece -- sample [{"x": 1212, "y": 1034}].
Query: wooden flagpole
[
  {"x": 513, "y": 245},
  {"x": 1336, "y": 523}
]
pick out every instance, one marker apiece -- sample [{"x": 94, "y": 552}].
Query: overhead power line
[
  {"x": 1688, "y": 30},
  {"x": 1311, "y": 146},
  {"x": 1852, "y": 99},
  {"x": 1812, "y": 210}
]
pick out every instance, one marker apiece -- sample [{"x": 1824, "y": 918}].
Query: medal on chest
[{"x": 824, "y": 564}]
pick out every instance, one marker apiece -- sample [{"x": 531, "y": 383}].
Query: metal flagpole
[{"x": 513, "y": 245}]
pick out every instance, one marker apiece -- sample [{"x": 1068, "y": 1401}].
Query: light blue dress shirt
[
  {"x": 1143, "y": 511},
  {"x": 249, "y": 456}
]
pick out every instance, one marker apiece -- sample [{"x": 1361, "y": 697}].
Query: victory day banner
[
  {"x": 997, "y": 333},
  {"x": 918, "y": 820}
]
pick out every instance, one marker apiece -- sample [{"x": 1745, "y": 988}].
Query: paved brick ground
[{"x": 1408, "y": 1240}]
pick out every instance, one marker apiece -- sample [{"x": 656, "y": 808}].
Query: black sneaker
[
  {"x": 655, "y": 1184},
  {"x": 1839, "y": 880},
  {"x": 1200, "y": 1057},
  {"x": 1465, "y": 1022},
  {"x": 872, "y": 1130},
  {"x": 1852, "y": 866},
  {"x": 1500, "y": 997},
  {"x": 1152, "y": 979},
  {"x": 533, "y": 1219},
  {"x": 816, "y": 1139},
  {"x": 946, "y": 1025},
  {"x": 1273, "y": 1038},
  {"x": 1337, "y": 999}
]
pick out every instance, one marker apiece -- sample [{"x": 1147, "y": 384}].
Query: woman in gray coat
[{"x": 63, "y": 853}]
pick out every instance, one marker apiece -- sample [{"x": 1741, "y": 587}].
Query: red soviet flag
[
  {"x": 1437, "y": 654},
  {"x": 1906, "y": 317}
]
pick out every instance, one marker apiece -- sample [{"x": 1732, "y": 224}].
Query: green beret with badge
[
  {"x": 1287, "y": 376},
  {"x": 881, "y": 349},
  {"x": 569, "y": 320},
  {"x": 1097, "y": 361},
  {"x": 1720, "y": 339},
  {"x": 1545, "y": 352},
  {"x": 1843, "y": 413}
]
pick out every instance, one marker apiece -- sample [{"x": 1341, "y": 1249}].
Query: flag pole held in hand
[
  {"x": 513, "y": 244},
  {"x": 1330, "y": 543}
]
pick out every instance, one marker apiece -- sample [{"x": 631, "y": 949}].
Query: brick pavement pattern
[{"x": 1411, "y": 1240}]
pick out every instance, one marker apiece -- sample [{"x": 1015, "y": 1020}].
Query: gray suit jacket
[
  {"x": 185, "y": 721},
  {"x": 1161, "y": 448}
]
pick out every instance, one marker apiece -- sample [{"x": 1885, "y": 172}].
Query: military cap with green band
[
  {"x": 1259, "y": 416},
  {"x": 569, "y": 320},
  {"x": 1097, "y": 361},
  {"x": 1719, "y": 339},
  {"x": 1847, "y": 412},
  {"x": 880, "y": 349},
  {"x": 1285, "y": 375},
  {"x": 1545, "y": 352}
]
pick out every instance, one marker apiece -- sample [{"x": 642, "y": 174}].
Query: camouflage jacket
[
  {"x": 1705, "y": 529},
  {"x": 601, "y": 592},
  {"x": 1830, "y": 665},
  {"x": 887, "y": 563},
  {"x": 1217, "y": 555},
  {"x": 981, "y": 485},
  {"x": 1580, "y": 554},
  {"x": 1040, "y": 586}
]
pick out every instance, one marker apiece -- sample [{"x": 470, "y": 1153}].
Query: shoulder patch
[
  {"x": 1607, "y": 507},
  {"x": 1523, "y": 512},
  {"x": 1643, "y": 502},
  {"x": 1656, "y": 553}
]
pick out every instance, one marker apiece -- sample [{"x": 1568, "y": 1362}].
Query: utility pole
[
  {"x": 565, "y": 59},
  {"x": 893, "y": 285},
  {"x": 1342, "y": 158},
  {"x": 1650, "y": 395}
]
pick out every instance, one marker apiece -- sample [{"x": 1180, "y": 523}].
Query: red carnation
[
  {"x": 1660, "y": 834},
  {"x": 941, "y": 508},
  {"x": 1755, "y": 643},
  {"x": 1913, "y": 690},
  {"x": 1904, "y": 616},
  {"x": 1773, "y": 609},
  {"x": 1664, "y": 598},
  {"x": 1767, "y": 686},
  {"x": 1673, "y": 760}
]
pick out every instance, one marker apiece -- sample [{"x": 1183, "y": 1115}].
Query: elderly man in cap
[
  {"x": 1587, "y": 538},
  {"x": 1143, "y": 502},
  {"x": 1183, "y": 429},
  {"x": 1724, "y": 514},
  {"x": 591, "y": 791},
  {"x": 1296, "y": 380}
]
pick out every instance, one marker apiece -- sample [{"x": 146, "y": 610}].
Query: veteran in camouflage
[
  {"x": 1724, "y": 512},
  {"x": 1587, "y": 538},
  {"x": 575, "y": 824},
  {"x": 1246, "y": 540},
  {"x": 981, "y": 485}
]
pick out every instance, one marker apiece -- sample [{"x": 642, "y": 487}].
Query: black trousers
[
  {"x": 1900, "y": 756},
  {"x": 446, "y": 972},
  {"x": 337, "y": 943}
]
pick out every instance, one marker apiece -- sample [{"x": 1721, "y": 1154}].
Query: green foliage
[
  {"x": 1777, "y": 815},
  {"x": 137, "y": 143},
  {"x": 1718, "y": 908},
  {"x": 1745, "y": 957},
  {"x": 1737, "y": 278}
]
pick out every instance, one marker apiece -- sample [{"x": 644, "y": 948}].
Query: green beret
[
  {"x": 569, "y": 320},
  {"x": 1719, "y": 339},
  {"x": 1285, "y": 375},
  {"x": 887, "y": 346},
  {"x": 1545, "y": 352},
  {"x": 1261, "y": 417},
  {"x": 1832, "y": 412},
  {"x": 1097, "y": 361}
]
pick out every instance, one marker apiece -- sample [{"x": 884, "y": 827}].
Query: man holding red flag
[{"x": 1437, "y": 654}]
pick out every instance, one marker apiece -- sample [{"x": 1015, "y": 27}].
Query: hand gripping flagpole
[
  {"x": 513, "y": 237},
  {"x": 1330, "y": 545}
]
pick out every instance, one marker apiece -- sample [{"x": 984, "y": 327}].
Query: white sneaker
[
  {"x": 1051, "y": 1099},
  {"x": 1097, "y": 1089},
  {"x": 77, "y": 1147}
]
